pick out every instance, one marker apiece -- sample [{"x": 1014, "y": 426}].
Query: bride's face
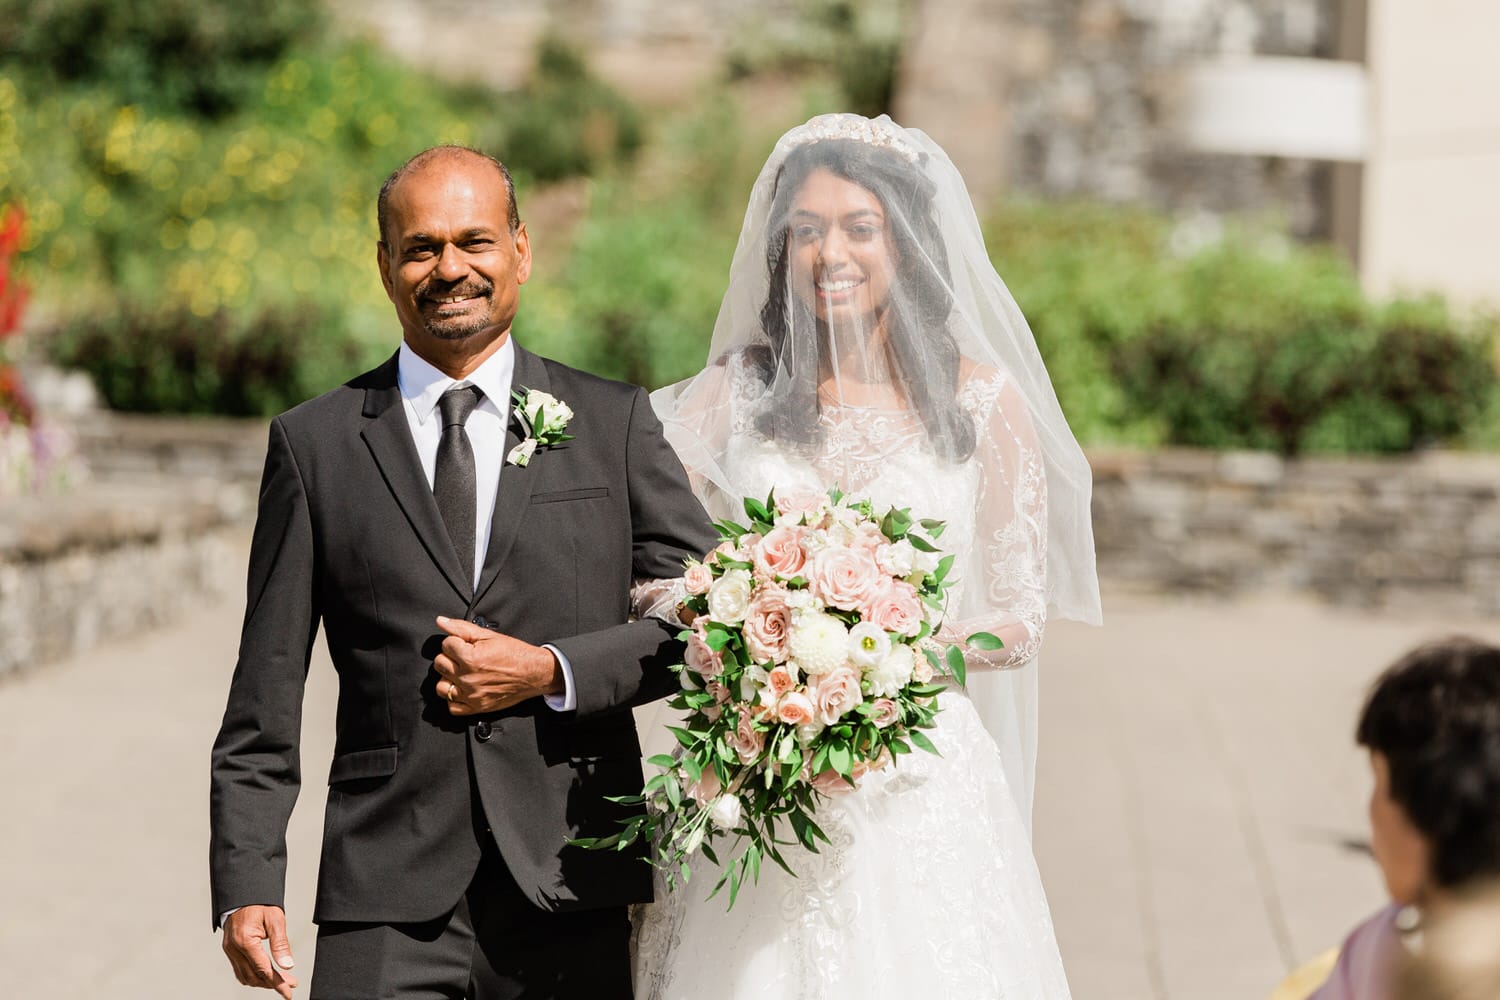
[{"x": 841, "y": 259}]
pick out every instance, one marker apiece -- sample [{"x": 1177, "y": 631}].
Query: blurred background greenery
[{"x": 200, "y": 232}]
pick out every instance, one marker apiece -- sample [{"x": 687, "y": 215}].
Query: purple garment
[{"x": 1366, "y": 960}]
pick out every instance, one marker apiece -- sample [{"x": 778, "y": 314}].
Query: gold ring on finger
[{"x": 452, "y": 691}]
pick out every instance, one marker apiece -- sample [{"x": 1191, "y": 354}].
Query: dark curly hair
[
  {"x": 917, "y": 323},
  {"x": 1435, "y": 717}
]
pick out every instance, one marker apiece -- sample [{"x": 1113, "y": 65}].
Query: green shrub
[
  {"x": 242, "y": 364},
  {"x": 205, "y": 57},
  {"x": 1243, "y": 343},
  {"x": 566, "y": 121}
]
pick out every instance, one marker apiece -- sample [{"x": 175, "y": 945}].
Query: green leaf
[
  {"x": 944, "y": 565},
  {"x": 693, "y": 768},
  {"x": 956, "y": 665},
  {"x": 664, "y": 760},
  {"x": 921, "y": 544},
  {"x": 686, "y": 738},
  {"x": 933, "y": 527},
  {"x": 985, "y": 640},
  {"x": 920, "y": 739},
  {"x": 841, "y": 759}
]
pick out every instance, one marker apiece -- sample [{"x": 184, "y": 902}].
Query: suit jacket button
[{"x": 482, "y": 731}]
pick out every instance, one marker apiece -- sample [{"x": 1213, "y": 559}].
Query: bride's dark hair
[{"x": 916, "y": 321}]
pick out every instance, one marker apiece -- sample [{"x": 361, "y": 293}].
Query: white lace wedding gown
[{"x": 929, "y": 888}]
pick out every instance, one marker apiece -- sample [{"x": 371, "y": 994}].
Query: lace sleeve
[
  {"x": 659, "y": 599},
  {"x": 1006, "y": 587}
]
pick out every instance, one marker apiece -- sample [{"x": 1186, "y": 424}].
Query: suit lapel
[
  {"x": 516, "y": 482},
  {"x": 388, "y": 436}
]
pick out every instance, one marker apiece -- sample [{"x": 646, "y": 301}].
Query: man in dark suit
[{"x": 477, "y": 612}]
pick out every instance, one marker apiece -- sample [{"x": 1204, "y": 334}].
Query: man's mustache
[{"x": 466, "y": 290}]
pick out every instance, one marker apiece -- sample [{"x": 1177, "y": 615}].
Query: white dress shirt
[{"x": 422, "y": 386}]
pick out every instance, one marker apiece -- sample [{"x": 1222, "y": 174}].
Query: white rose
[
  {"x": 534, "y": 405},
  {"x": 897, "y": 559},
  {"x": 725, "y": 812},
  {"x": 819, "y": 642},
  {"x": 893, "y": 673},
  {"x": 729, "y": 597},
  {"x": 868, "y": 645},
  {"x": 926, "y": 562}
]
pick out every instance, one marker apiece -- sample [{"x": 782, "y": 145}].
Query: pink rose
[
  {"x": 886, "y": 712},
  {"x": 799, "y": 502},
  {"x": 845, "y": 578},
  {"x": 830, "y": 782},
  {"x": 782, "y": 680},
  {"x": 835, "y": 693},
  {"x": 868, "y": 537},
  {"x": 768, "y": 623},
  {"x": 700, "y": 658},
  {"x": 746, "y": 740},
  {"x": 795, "y": 709},
  {"x": 896, "y": 607},
  {"x": 921, "y": 671},
  {"x": 780, "y": 553},
  {"x": 881, "y": 761},
  {"x": 724, "y": 550},
  {"x": 720, "y": 692},
  {"x": 705, "y": 789},
  {"x": 696, "y": 578}
]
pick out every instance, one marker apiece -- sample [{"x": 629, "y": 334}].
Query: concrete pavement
[{"x": 1198, "y": 795}]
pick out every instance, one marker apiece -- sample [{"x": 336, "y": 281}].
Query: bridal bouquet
[{"x": 810, "y": 662}]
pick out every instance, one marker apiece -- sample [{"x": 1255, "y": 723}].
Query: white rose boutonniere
[{"x": 544, "y": 418}]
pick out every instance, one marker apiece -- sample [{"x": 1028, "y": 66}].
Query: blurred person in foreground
[
  {"x": 470, "y": 562},
  {"x": 1460, "y": 954},
  {"x": 865, "y": 342},
  {"x": 1432, "y": 727}
]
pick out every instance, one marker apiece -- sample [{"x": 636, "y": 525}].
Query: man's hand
[
  {"x": 481, "y": 671},
  {"x": 246, "y": 932}
]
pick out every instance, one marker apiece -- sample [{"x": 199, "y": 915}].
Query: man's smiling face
[{"x": 449, "y": 260}]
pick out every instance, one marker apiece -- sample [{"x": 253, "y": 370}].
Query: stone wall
[
  {"x": 159, "y": 528},
  {"x": 1398, "y": 533},
  {"x": 163, "y": 524}
]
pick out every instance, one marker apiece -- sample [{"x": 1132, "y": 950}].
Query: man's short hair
[
  {"x": 1435, "y": 717},
  {"x": 383, "y": 200}
]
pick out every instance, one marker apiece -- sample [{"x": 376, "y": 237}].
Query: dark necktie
[{"x": 453, "y": 482}]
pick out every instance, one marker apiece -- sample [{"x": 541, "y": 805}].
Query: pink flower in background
[
  {"x": 830, "y": 782},
  {"x": 886, "y": 712},
  {"x": 835, "y": 693},
  {"x": 868, "y": 537},
  {"x": 697, "y": 578},
  {"x": 799, "y": 502},
  {"x": 768, "y": 623},
  {"x": 845, "y": 578},
  {"x": 896, "y": 607},
  {"x": 706, "y": 788},
  {"x": 700, "y": 658},
  {"x": 795, "y": 709},
  {"x": 746, "y": 740},
  {"x": 720, "y": 692},
  {"x": 780, "y": 553}
]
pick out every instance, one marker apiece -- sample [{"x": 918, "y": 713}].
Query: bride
[{"x": 866, "y": 342}]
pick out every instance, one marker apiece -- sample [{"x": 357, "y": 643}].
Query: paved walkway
[{"x": 1199, "y": 803}]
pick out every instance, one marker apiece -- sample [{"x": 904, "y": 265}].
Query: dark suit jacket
[{"x": 348, "y": 534}]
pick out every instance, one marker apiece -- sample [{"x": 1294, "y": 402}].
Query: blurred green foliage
[
  {"x": 203, "y": 57},
  {"x": 1242, "y": 342},
  {"x": 857, "y": 44},
  {"x": 567, "y": 121},
  {"x": 144, "y": 217}
]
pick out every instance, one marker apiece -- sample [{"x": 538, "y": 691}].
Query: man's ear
[
  {"x": 523, "y": 254},
  {"x": 383, "y": 261}
]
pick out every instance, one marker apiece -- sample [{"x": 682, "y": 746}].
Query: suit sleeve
[
  {"x": 256, "y": 767},
  {"x": 616, "y": 668}
]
